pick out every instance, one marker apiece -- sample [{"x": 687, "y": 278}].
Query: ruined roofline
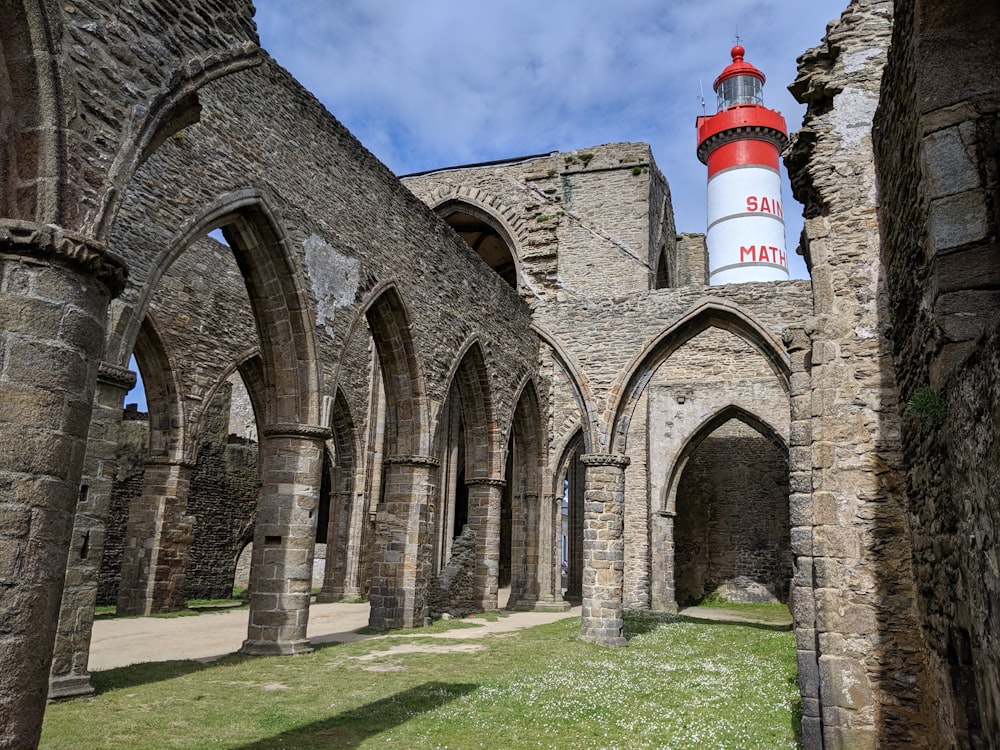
[
  {"x": 494, "y": 163},
  {"x": 503, "y": 162}
]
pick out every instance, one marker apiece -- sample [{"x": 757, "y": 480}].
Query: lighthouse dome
[{"x": 739, "y": 82}]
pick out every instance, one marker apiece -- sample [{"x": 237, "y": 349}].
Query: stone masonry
[{"x": 577, "y": 394}]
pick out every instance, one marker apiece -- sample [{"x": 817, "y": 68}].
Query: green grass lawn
[{"x": 679, "y": 684}]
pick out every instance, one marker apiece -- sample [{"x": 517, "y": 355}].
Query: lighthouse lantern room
[{"x": 741, "y": 144}]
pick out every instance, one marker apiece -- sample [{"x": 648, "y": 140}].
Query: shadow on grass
[
  {"x": 774, "y": 626},
  {"x": 351, "y": 728},
  {"x": 147, "y": 673},
  {"x": 638, "y": 622},
  {"x": 135, "y": 675}
]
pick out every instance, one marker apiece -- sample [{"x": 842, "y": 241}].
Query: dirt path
[{"x": 120, "y": 642}]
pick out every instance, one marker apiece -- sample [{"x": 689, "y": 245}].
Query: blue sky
[{"x": 434, "y": 83}]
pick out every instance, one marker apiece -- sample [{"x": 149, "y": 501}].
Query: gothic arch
[
  {"x": 489, "y": 236},
  {"x": 406, "y": 433},
  {"x": 710, "y": 314},
  {"x": 533, "y": 564},
  {"x": 706, "y": 428},
  {"x": 32, "y": 139},
  {"x": 582, "y": 390},
  {"x": 343, "y": 510},
  {"x": 570, "y": 480},
  {"x": 170, "y": 111},
  {"x": 482, "y": 448},
  {"x": 163, "y": 399},
  {"x": 274, "y": 286}
]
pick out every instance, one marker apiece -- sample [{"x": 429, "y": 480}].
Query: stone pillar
[
  {"x": 355, "y": 541},
  {"x": 284, "y": 539},
  {"x": 157, "y": 540},
  {"x": 524, "y": 553},
  {"x": 577, "y": 473},
  {"x": 603, "y": 548},
  {"x": 484, "y": 519},
  {"x": 401, "y": 565},
  {"x": 337, "y": 543},
  {"x": 54, "y": 292},
  {"x": 549, "y": 569},
  {"x": 69, "y": 677},
  {"x": 663, "y": 593}
]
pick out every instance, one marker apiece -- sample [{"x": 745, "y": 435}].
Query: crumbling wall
[
  {"x": 223, "y": 501},
  {"x": 862, "y": 656},
  {"x": 937, "y": 148},
  {"x": 454, "y": 591},
  {"x": 222, "y": 498}
]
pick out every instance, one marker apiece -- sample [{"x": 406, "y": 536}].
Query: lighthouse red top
[
  {"x": 741, "y": 117},
  {"x": 738, "y": 67}
]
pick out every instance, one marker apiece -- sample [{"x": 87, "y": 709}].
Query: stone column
[
  {"x": 355, "y": 540},
  {"x": 524, "y": 553},
  {"x": 157, "y": 540},
  {"x": 484, "y": 519},
  {"x": 663, "y": 592},
  {"x": 603, "y": 548},
  {"x": 54, "y": 292},
  {"x": 401, "y": 564},
  {"x": 549, "y": 569},
  {"x": 577, "y": 485},
  {"x": 284, "y": 539},
  {"x": 337, "y": 543},
  {"x": 69, "y": 677}
]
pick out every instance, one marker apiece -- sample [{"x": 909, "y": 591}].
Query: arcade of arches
[{"x": 504, "y": 385}]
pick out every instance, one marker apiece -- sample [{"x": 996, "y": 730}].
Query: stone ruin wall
[
  {"x": 352, "y": 227},
  {"x": 222, "y": 499},
  {"x": 580, "y": 220},
  {"x": 861, "y": 650},
  {"x": 938, "y": 155}
]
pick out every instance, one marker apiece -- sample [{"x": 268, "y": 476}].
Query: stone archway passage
[{"x": 731, "y": 531}]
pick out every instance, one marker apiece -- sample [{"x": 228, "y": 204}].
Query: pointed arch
[
  {"x": 724, "y": 516},
  {"x": 487, "y": 234},
  {"x": 570, "y": 481},
  {"x": 278, "y": 300},
  {"x": 709, "y": 314},
  {"x": 339, "y": 510},
  {"x": 532, "y": 562},
  {"x": 170, "y": 111},
  {"x": 582, "y": 391},
  {"x": 706, "y": 428},
  {"x": 163, "y": 397},
  {"x": 405, "y": 415},
  {"x": 526, "y": 428},
  {"x": 482, "y": 448}
]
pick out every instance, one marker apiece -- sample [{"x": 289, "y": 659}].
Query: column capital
[
  {"x": 414, "y": 460},
  {"x": 485, "y": 481},
  {"x": 618, "y": 460},
  {"x": 296, "y": 430},
  {"x": 110, "y": 374},
  {"x": 51, "y": 242}
]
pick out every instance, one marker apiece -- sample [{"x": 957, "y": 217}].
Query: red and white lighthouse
[{"x": 740, "y": 144}]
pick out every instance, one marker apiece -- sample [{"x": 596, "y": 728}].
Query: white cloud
[{"x": 442, "y": 82}]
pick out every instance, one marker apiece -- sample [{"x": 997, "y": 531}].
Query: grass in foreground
[{"x": 678, "y": 685}]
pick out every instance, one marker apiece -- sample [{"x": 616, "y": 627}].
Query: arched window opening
[
  {"x": 487, "y": 243},
  {"x": 662, "y": 271}
]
